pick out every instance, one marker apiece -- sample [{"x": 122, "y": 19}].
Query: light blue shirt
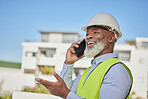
[{"x": 115, "y": 85}]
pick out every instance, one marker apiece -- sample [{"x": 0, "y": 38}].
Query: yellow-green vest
[{"x": 90, "y": 88}]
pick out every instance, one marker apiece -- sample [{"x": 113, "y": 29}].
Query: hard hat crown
[{"x": 106, "y": 20}]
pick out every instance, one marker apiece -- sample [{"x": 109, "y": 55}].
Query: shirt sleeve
[
  {"x": 66, "y": 75},
  {"x": 72, "y": 95},
  {"x": 116, "y": 83}
]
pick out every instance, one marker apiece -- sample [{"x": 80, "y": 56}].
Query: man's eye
[{"x": 96, "y": 32}]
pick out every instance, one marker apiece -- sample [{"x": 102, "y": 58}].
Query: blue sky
[{"x": 21, "y": 20}]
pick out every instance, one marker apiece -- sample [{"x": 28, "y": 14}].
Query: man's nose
[{"x": 89, "y": 36}]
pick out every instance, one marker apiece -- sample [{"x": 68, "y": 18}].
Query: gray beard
[{"x": 97, "y": 48}]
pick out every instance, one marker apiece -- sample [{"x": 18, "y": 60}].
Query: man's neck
[{"x": 102, "y": 53}]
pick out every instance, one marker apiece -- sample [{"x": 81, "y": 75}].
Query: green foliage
[
  {"x": 47, "y": 70},
  {"x": 10, "y": 64},
  {"x": 6, "y": 97},
  {"x": 130, "y": 42},
  {"x": 39, "y": 88}
]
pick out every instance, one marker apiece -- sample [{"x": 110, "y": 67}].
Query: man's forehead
[{"x": 93, "y": 28}]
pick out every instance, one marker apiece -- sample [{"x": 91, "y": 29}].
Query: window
[
  {"x": 79, "y": 71},
  {"x": 30, "y": 54},
  {"x": 34, "y": 54},
  {"x": 145, "y": 44},
  {"x": 48, "y": 52},
  {"x": 123, "y": 55},
  {"x": 44, "y": 37},
  {"x": 29, "y": 71},
  {"x": 69, "y": 37}
]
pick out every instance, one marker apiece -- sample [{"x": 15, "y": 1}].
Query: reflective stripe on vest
[{"x": 90, "y": 88}]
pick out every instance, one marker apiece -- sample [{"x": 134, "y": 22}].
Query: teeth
[{"x": 90, "y": 42}]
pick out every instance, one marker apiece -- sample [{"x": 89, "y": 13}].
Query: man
[{"x": 107, "y": 78}]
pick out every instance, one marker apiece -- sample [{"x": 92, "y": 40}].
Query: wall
[
  {"x": 14, "y": 80},
  {"x": 27, "y": 95}
]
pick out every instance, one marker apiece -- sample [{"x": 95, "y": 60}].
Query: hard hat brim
[{"x": 117, "y": 35}]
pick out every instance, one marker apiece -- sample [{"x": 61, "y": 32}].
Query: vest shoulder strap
[{"x": 82, "y": 79}]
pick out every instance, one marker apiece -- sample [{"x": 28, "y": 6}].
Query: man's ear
[{"x": 111, "y": 38}]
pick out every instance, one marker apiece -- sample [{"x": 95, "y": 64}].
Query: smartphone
[{"x": 80, "y": 50}]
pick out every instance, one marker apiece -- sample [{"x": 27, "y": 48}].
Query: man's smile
[{"x": 91, "y": 43}]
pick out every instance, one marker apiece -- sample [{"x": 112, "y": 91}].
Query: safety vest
[{"x": 91, "y": 88}]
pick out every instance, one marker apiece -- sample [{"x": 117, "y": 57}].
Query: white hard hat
[{"x": 105, "y": 20}]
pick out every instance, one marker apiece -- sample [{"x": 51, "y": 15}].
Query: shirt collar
[{"x": 102, "y": 58}]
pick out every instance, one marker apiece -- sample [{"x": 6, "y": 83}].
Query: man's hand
[
  {"x": 58, "y": 88},
  {"x": 70, "y": 55}
]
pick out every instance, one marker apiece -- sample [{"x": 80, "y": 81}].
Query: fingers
[
  {"x": 57, "y": 77},
  {"x": 76, "y": 44},
  {"x": 45, "y": 82},
  {"x": 71, "y": 49}
]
